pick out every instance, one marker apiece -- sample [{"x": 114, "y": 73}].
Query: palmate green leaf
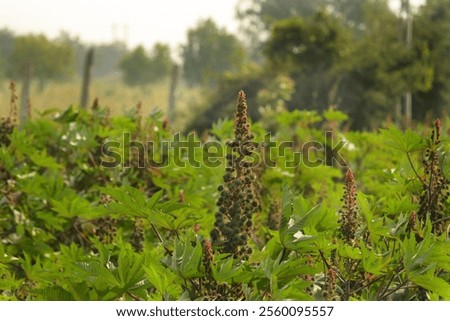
[
  {"x": 171, "y": 221},
  {"x": 8, "y": 282},
  {"x": 271, "y": 250},
  {"x": 38, "y": 268},
  {"x": 22, "y": 142},
  {"x": 365, "y": 209},
  {"x": 287, "y": 207},
  {"x": 129, "y": 269},
  {"x": 293, "y": 223},
  {"x": 104, "y": 254},
  {"x": 191, "y": 260},
  {"x": 347, "y": 251},
  {"x": 286, "y": 269},
  {"x": 50, "y": 220},
  {"x": 5, "y": 258},
  {"x": 47, "y": 112},
  {"x": 7, "y": 159},
  {"x": 295, "y": 238},
  {"x": 398, "y": 226},
  {"x": 226, "y": 270},
  {"x": 119, "y": 209},
  {"x": 420, "y": 257},
  {"x": 324, "y": 219},
  {"x": 69, "y": 208},
  {"x": 186, "y": 259},
  {"x": 284, "y": 277},
  {"x": 97, "y": 274},
  {"x": 41, "y": 159},
  {"x": 174, "y": 215},
  {"x": 171, "y": 206},
  {"x": 334, "y": 115},
  {"x": 303, "y": 117},
  {"x": 294, "y": 290},
  {"x": 157, "y": 276},
  {"x": 372, "y": 262},
  {"x": 127, "y": 196},
  {"x": 399, "y": 204},
  {"x": 49, "y": 186},
  {"x": 68, "y": 116},
  {"x": 153, "y": 216},
  {"x": 71, "y": 253},
  {"x": 407, "y": 142},
  {"x": 131, "y": 201},
  {"x": 441, "y": 255},
  {"x": 223, "y": 129},
  {"x": 434, "y": 284},
  {"x": 80, "y": 291},
  {"x": 54, "y": 293}
]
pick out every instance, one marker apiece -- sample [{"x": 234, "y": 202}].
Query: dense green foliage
[
  {"x": 140, "y": 68},
  {"x": 47, "y": 60},
  {"x": 210, "y": 51},
  {"x": 72, "y": 229},
  {"x": 352, "y": 55}
]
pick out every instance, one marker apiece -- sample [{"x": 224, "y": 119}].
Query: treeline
[
  {"x": 54, "y": 59},
  {"x": 357, "y": 56}
]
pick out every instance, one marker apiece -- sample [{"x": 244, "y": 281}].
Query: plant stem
[
  {"x": 161, "y": 239},
  {"x": 414, "y": 169},
  {"x": 283, "y": 253},
  {"x": 328, "y": 266},
  {"x": 393, "y": 290},
  {"x": 135, "y": 297}
]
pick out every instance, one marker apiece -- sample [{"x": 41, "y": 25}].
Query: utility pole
[
  {"x": 172, "y": 92},
  {"x": 407, "y": 14}
]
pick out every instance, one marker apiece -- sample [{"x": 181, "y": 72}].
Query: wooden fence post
[{"x": 88, "y": 62}]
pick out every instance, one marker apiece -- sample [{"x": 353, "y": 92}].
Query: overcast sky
[{"x": 136, "y": 21}]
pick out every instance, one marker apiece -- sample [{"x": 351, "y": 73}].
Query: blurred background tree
[
  {"x": 135, "y": 67},
  {"x": 107, "y": 58},
  {"x": 432, "y": 34},
  {"x": 311, "y": 51},
  {"x": 140, "y": 68},
  {"x": 380, "y": 68},
  {"x": 209, "y": 53},
  {"x": 34, "y": 57},
  {"x": 6, "y": 48},
  {"x": 161, "y": 61},
  {"x": 48, "y": 60},
  {"x": 349, "y": 55}
]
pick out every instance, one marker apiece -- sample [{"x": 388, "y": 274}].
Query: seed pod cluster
[
  {"x": 208, "y": 256},
  {"x": 237, "y": 201},
  {"x": 330, "y": 293},
  {"x": 274, "y": 215},
  {"x": 412, "y": 222},
  {"x": 435, "y": 186},
  {"x": 349, "y": 219},
  {"x": 137, "y": 236},
  {"x": 106, "y": 229}
]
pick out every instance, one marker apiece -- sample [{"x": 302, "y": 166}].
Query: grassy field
[{"x": 111, "y": 93}]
